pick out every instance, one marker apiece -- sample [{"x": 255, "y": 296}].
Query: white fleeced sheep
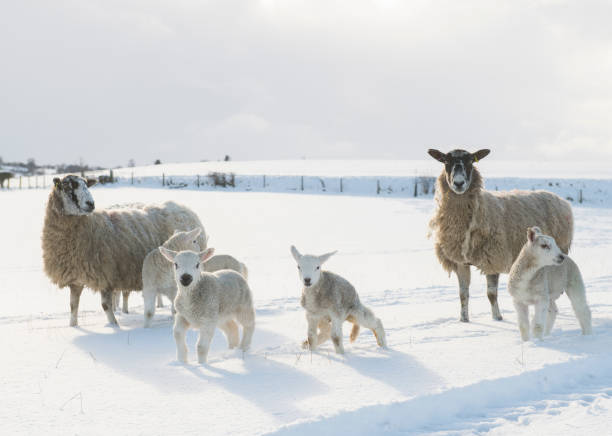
[
  {"x": 208, "y": 300},
  {"x": 103, "y": 250},
  {"x": 539, "y": 275},
  {"x": 329, "y": 300},
  {"x": 475, "y": 227}
]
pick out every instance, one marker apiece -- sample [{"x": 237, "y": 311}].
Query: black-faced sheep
[
  {"x": 485, "y": 229},
  {"x": 103, "y": 250}
]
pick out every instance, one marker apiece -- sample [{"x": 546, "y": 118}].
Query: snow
[{"x": 439, "y": 376}]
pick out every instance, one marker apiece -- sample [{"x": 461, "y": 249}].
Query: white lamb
[
  {"x": 207, "y": 300},
  {"x": 157, "y": 275},
  {"x": 539, "y": 276},
  {"x": 330, "y": 300}
]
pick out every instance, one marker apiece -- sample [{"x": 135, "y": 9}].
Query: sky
[{"x": 112, "y": 80}]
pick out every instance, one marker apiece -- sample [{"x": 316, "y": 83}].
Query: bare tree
[{"x": 131, "y": 163}]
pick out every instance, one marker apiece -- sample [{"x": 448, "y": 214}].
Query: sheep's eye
[
  {"x": 176, "y": 266},
  {"x": 318, "y": 268},
  {"x": 545, "y": 247},
  {"x": 299, "y": 267},
  {"x": 197, "y": 265}
]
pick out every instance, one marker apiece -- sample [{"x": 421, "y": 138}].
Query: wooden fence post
[
  {"x": 163, "y": 179},
  {"x": 377, "y": 187},
  {"x": 19, "y": 182},
  {"x": 302, "y": 184},
  {"x": 341, "y": 187}
]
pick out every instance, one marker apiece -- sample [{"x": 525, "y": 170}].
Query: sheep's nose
[
  {"x": 307, "y": 282},
  {"x": 560, "y": 258},
  {"x": 459, "y": 184},
  {"x": 90, "y": 204},
  {"x": 186, "y": 279}
]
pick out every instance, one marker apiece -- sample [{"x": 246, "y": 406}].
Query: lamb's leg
[
  {"x": 75, "y": 297},
  {"x": 160, "y": 301},
  {"x": 206, "y": 334},
  {"x": 492, "y": 283},
  {"x": 522, "y": 312},
  {"x": 230, "y": 328},
  {"x": 366, "y": 318},
  {"x": 148, "y": 295},
  {"x": 312, "y": 332},
  {"x": 116, "y": 297},
  {"x": 336, "y": 335},
  {"x": 324, "y": 331},
  {"x": 107, "y": 305},
  {"x": 576, "y": 293},
  {"x": 126, "y": 297},
  {"x": 540, "y": 317},
  {"x": 463, "y": 275},
  {"x": 180, "y": 331},
  {"x": 552, "y": 315},
  {"x": 247, "y": 319}
]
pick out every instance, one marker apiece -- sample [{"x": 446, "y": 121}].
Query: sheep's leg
[
  {"x": 540, "y": 317},
  {"x": 522, "y": 312},
  {"x": 75, "y": 297},
  {"x": 463, "y": 275},
  {"x": 160, "y": 301},
  {"x": 552, "y": 315},
  {"x": 492, "y": 284},
  {"x": 230, "y": 328},
  {"x": 576, "y": 293},
  {"x": 206, "y": 334},
  {"x": 148, "y": 295},
  {"x": 126, "y": 297},
  {"x": 116, "y": 297},
  {"x": 107, "y": 305},
  {"x": 312, "y": 332},
  {"x": 247, "y": 319},
  {"x": 180, "y": 331},
  {"x": 366, "y": 318},
  {"x": 336, "y": 335}
]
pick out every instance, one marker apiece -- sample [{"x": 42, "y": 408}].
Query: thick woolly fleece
[{"x": 487, "y": 229}]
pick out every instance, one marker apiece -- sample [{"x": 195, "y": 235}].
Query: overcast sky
[{"x": 111, "y": 80}]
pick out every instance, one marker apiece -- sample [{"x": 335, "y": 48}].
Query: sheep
[
  {"x": 157, "y": 276},
  {"x": 476, "y": 227},
  {"x": 329, "y": 300},
  {"x": 103, "y": 250},
  {"x": 539, "y": 275},
  {"x": 207, "y": 300}
]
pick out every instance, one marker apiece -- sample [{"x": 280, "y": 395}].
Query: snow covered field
[{"x": 439, "y": 376}]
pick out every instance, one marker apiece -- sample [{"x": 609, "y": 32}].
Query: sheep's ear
[
  {"x": 480, "y": 154},
  {"x": 195, "y": 232},
  {"x": 531, "y": 234},
  {"x": 437, "y": 155},
  {"x": 168, "y": 254},
  {"x": 206, "y": 254},
  {"x": 295, "y": 253},
  {"x": 325, "y": 257},
  {"x": 57, "y": 182},
  {"x": 91, "y": 182}
]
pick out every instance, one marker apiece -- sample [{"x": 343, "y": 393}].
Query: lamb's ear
[
  {"x": 531, "y": 234},
  {"x": 325, "y": 257},
  {"x": 91, "y": 182},
  {"x": 206, "y": 254},
  {"x": 57, "y": 182},
  {"x": 195, "y": 232},
  {"x": 437, "y": 155},
  {"x": 295, "y": 253},
  {"x": 168, "y": 254},
  {"x": 480, "y": 154}
]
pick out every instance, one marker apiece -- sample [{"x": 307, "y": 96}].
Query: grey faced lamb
[
  {"x": 208, "y": 300},
  {"x": 329, "y": 300},
  {"x": 539, "y": 275},
  {"x": 103, "y": 249},
  {"x": 158, "y": 274},
  {"x": 475, "y": 227}
]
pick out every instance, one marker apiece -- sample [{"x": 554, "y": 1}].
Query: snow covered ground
[{"x": 439, "y": 376}]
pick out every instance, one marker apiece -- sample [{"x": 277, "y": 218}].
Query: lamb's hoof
[
  {"x": 498, "y": 318},
  {"x": 74, "y": 324},
  {"x": 305, "y": 345},
  {"x": 464, "y": 319}
]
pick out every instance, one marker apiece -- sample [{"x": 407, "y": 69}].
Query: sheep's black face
[
  {"x": 458, "y": 166},
  {"x": 75, "y": 195}
]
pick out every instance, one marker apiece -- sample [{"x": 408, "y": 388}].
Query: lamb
[
  {"x": 476, "y": 227},
  {"x": 103, "y": 250},
  {"x": 207, "y": 300},
  {"x": 157, "y": 273},
  {"x": 539, "y": 275},
  {"x": 329, "y": 300},
  {"x": 158, "y": 278}
]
